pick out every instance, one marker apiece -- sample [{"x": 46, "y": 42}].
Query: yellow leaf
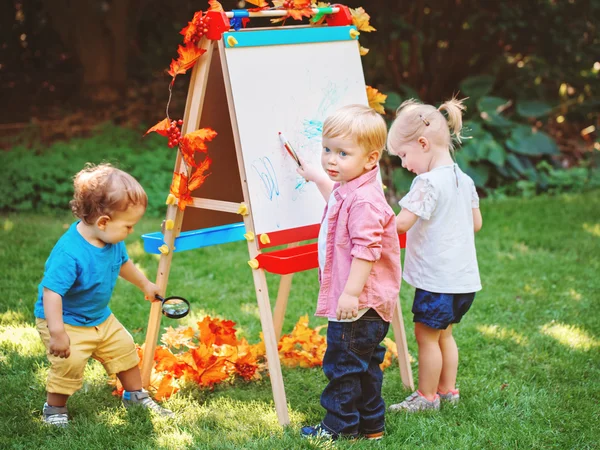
[
  {"x": 376, "y": 99},
  {"x": 360, "y": 19}
]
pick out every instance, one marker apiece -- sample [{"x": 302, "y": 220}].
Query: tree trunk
[{"x": 97, "y": 32}]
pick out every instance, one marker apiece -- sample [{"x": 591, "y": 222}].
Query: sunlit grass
[
  {"x": 570, "y": 336},
  {"x": 496, "y": 332},
  {"x": 593, "y": 229},
  {"x": 23, "y": 340},
  {"x": 529, "y": 346}
]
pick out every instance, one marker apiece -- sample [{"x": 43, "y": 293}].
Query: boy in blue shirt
[{"x": 72, "y": 313}]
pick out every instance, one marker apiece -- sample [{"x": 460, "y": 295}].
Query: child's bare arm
[
  {"x": 59, "y": 339},
  {"x": 348, "y": 301},
  {"x": 132, "y": 274},
  {"x": 405, "y": 220},
  {"x": 477, "y": 219}
]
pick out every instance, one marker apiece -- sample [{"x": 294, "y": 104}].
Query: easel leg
[
  {"x": 162, "y": 277},
  {"x": 266, "y": 320},
  {"x": 285, "y": 285},
  {"x": 403, "y": 357}
]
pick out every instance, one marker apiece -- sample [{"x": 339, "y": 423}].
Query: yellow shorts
[{"x": 109, "y": 343}]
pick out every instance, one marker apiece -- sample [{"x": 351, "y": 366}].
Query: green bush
[{"x": 41, "y": 179}]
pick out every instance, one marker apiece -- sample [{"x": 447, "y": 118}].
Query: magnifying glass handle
[{"x": 158, "y": 297}]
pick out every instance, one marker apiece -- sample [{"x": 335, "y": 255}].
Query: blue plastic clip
[{"x": 236, "y": 21}]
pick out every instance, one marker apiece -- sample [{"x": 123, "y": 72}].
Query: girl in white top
[{"x": 440, "y": 215}]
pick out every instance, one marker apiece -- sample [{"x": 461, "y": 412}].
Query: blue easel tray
[{"x": 189, "y": 240}]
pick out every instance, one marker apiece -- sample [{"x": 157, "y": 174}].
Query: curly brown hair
[{"x": 102, "y": 190}]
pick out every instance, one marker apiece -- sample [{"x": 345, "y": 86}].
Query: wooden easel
[{"x": 212, "y": 70}]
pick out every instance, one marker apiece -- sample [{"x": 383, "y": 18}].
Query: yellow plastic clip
[
  {"x": 171, "y": 199},
  {"x": 169, "y": 224},
  {"x": 363, "y": 51},
  {"x": 164, "y": 249},
  {"x": 231, "y": 41},
  {"x": 354, "y": 33},
  {"x": 243, "y": 209},
  {"x": 264, "y": 238},
  {"x": 249, "y": 236},
  {"x": 253, "y": 263}
]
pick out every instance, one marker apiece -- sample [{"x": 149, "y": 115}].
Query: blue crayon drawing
[{"x": 268, "y": 177}]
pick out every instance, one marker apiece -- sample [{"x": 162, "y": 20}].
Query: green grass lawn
[{"x": 530, "y": 347}]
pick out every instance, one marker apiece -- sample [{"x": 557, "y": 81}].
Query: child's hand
[
  {"x": 308, "y": 172},
  {"x": 347, "y": 307},
  {"x": 150, "y": 291},
  {"x": 60, "y": 344}
]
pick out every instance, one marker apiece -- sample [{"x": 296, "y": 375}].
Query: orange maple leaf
[
  {"x": 214, "y": 5},
  {"x": 179, "y": 188},
  {"x": 360, "y": 19},
  {"x": 200, "y": 174},
  {"x": 217, "y": 331},
  {"x": 161, "y": 128},
  {"x": 176, "y": 337},
  {"x": 195, "y": 142},
  {"x": 299, "y": 9},
  {"x": 260, "y": 3},
  {"x": 208, "y": 368},
  {"x": 188, "y": 56},
  {"x": 167, "y": 361},
  {"x": 165, "y": 388},
  {"x": 376, "y": 99},
  {"x": 190, "y": 32}
]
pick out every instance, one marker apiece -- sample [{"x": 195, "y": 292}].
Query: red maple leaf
[
  {"x": 161, "y": 128},
  {"x": 188, "y": 56}
]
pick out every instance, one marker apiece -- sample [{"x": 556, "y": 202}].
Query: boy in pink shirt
[{"x": 359, "y": 270}]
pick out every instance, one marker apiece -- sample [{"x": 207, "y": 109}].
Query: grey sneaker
[
  {"x": 55, "y": 415},
  {"x": 416, "y": 402},
  {"x": 452, "y": 396},
  {"x": 142, "y": 398}
]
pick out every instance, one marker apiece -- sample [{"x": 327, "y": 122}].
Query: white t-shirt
[{"x": 440, "y": 247}]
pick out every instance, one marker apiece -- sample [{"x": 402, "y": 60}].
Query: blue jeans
[{"x": 352, "y": 398}]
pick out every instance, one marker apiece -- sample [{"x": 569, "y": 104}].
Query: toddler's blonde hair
[
  {"x": 414, "y": 119},
  {"x": 359, "y": 123},
  {"x": 103, "y": 190}
]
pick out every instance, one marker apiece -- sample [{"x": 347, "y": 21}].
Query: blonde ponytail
[{"x": 454, "y": 109}]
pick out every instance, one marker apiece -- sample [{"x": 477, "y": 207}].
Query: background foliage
[{"x": 530, "y": 70}]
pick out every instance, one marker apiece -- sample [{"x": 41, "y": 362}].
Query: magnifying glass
[{"x": 174, "y": 307}]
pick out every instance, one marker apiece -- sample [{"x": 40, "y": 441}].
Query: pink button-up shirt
[{"x": 361, "y": 225}]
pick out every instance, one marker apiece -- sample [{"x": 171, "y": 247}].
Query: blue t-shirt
[{"x": 84, "y": 276}]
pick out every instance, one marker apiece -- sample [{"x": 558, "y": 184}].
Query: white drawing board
[{"x": 289, "y": 87}]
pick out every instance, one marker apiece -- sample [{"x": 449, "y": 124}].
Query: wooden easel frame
[{"x": 271, "y": 323}]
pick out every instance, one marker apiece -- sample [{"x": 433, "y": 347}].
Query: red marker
[{"x": 289, "y": 148}]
